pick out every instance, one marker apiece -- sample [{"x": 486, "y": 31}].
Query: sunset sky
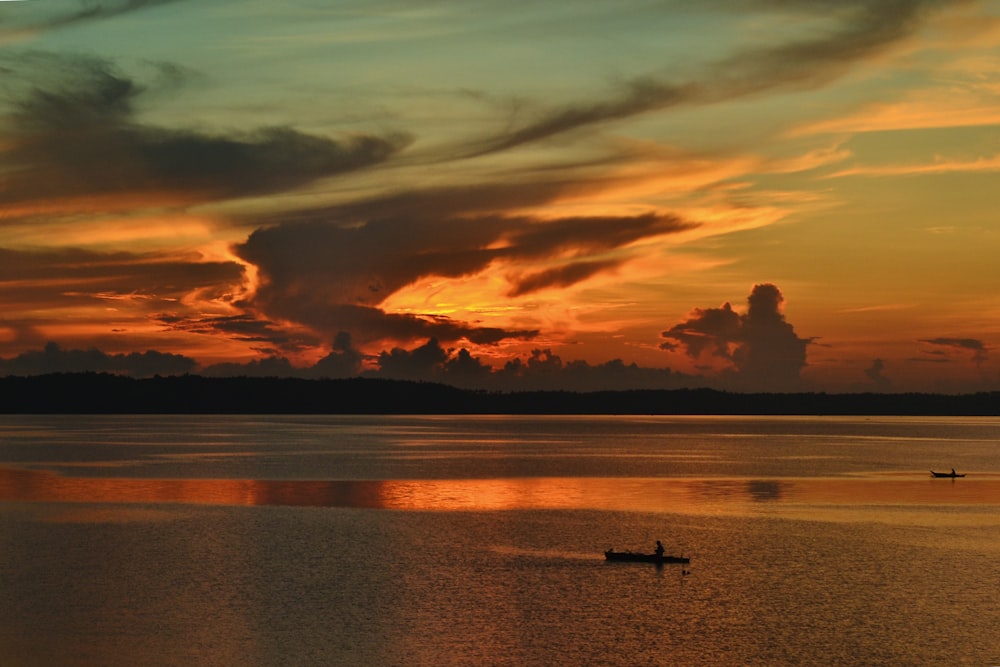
[{"x": 744, "y": 194}]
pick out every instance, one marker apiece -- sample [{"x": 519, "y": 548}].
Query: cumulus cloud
[
  {"x": 542, "y": 370},
  {"x": 74, "y": 131},
  {"x": 419, "y": 363},
  {"x": 464, "y": 370},
  {"x": 343, "y": 361},
  {"x": 709, "y": 329},
  {"x": 855, "y": 30},
  {"x": 876, "y": 375},
  {"x": 429, "y": 361},
  {"x": 762, "y": 350},
  {"x": 270, "y": 366}
]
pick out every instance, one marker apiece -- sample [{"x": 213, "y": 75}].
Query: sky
[{"x": 751, "y": 195}]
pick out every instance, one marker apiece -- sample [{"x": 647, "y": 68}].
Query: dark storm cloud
[
  {"x": 977, "y": 348},
  {"x": 74, "y": 131},
  {"x": 327, "y": 263},
  {"x": 763, "y": 348},
  {"x": 54, "y": 359},
  {"x": 332, "y": 277},
  {"x": 860, "y": 29}
]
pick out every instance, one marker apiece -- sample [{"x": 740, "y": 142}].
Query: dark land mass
[{"x": 95, "y": 393}]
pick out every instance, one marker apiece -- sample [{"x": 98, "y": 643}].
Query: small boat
[
  {"x": 632, "y": 557},
  {"x": 951, "y": 474}
]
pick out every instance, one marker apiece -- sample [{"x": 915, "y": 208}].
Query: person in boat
[
  {"x": 952, "y": 472},
  {"x": 659, "y": 549}
]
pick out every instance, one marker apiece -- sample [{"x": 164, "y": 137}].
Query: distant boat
[
  {"x": 951, "y": 474},
  {"x": 632, "y": 557}
]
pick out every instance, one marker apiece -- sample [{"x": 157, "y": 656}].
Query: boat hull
[
  {"x": 946, "y": 474},
  {"x": 630, "y": 557}
]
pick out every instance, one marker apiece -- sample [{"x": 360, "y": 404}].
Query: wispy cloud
[
  {"x": 942, "y": 166},
  {"x": 561, "y": 276},
  {"x": 89, "y": 296},
  {"x": 41, "y": 15},
  {"x": 857, "y": 30},
  {"x": 976, "y": 347},
  {"x": 943, "y": 108},
  {"x": 47, "y": 278}
]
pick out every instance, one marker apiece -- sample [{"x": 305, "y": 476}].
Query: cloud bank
[{"x": 54, "y": 359}]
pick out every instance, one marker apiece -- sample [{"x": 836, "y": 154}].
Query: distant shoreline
[{"x": 99, "y": 393}]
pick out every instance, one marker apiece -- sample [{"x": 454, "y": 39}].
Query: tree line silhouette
[{"x": 101, "y": 393}]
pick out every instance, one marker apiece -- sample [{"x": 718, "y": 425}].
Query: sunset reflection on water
[{"x": 674, "y": 495}]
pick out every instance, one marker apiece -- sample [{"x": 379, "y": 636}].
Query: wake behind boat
[
  {"x": 951, "y": 474},
  {"x": 632, "y": 557}
]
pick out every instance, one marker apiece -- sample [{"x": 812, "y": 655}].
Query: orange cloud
[
  {"x": 933, "y": 109},
  {"x": 938, "y": 167}
]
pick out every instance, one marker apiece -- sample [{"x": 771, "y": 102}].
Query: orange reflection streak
[
  {"x": 684, "y": 496},
  {"x": 45, "y": 486}
]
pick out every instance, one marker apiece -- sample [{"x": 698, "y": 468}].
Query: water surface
[{"x": 472, "y": 540}]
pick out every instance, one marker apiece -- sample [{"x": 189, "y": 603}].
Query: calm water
[{"x": 478, "y": 541}]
